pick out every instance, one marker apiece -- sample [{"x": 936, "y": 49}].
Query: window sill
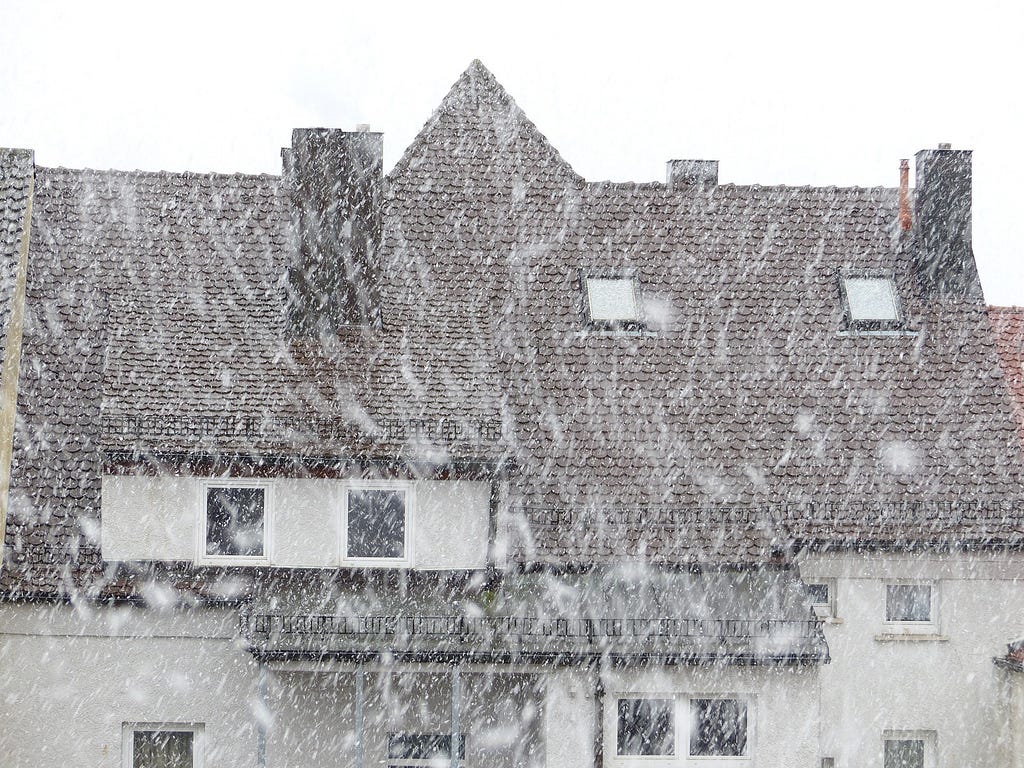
[{"x": 911, "y": 637}]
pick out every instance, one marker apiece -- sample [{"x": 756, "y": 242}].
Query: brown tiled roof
[
  {"x": 155, "y": 323},
  {"x": 1008, "y": 329}
]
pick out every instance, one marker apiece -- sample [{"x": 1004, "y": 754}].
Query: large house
[{"x": 481, "y": 463}]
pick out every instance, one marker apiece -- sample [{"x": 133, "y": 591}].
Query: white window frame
[
  {"x": 912, "y": 627},
  {"x": 681, "y": 735},
  {"x": 128, "y": 730},
  {"x": 268, "y": 521},
  {"x": 406, "y": 486},
  {"x": 930, "y": 739},
  {"x": 824, "y": 610}
]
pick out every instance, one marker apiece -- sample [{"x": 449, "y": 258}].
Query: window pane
[
  {"x": 162, "y": 749},
  {"x": 423, "y": 746},
  {"x": 908, "y": 602},
  {"x": 645, "y": 727},
  {"x": 904, "y": 753},
  {"x": 376, "y": 523},
  {"x": 871, "y": 298},
  {"x": 818, "y": 593},
  {"x": 612, "y": 299},
  {"x": 718, "y": 727},
  {"x": 234, "y": 521}
]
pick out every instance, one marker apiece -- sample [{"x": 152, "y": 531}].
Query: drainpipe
[
  {"x": 360, "y": 698},
  {"x": 456, "y": 725},
  {"x": 598, "y": 714},
  {"x": 261, "y": 718}
]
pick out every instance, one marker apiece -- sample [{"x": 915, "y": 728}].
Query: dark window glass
[
  {"x": 904, "y": 753},
  {"x": 234, "y": 521},
  {"x": 645, "y": 727},
  {"x": 908, "y": 602},
  {"x": 718, "y": 727},
  {"x": 376, "y": 523},
  {"x": 162, "y": 749},
  {"x": 818, "y": 593},
  {"x": 423, "y": 746}
]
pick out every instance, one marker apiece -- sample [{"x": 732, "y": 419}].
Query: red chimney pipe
[{"x": 905, "y": 222}]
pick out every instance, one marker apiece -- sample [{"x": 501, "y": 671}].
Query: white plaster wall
[
  {"x": 306, "y": 523},
  {"x": 450, "y": 530},
  {"x": 947, "y": 684},
  {"x": 157, "y": 518},
  {"x": 148, "y": 518},
  {"x": 783, "y": 712},
  {"x": 570, "y": 718},
  {"x": 70, "y": 680}
]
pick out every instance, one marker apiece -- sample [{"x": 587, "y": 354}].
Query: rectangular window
[
  {"x": 708, "y": 726},
  {"x": 427, "y": 749},
  {"x": 908, "y": 603},
  {"x": 153, "y": 745},
  {"x": 718, "y": 727},
  {"x": 375, "y": 524},
  {"x": 645, "y": 727},
  {"x": 871, "y": 303},
  {"x": 613, "y": 302},
  {"x": 235, "y": 521},
  {"x": 904, "y": 753},
  {"x": 909, "y": 749},
  {"x": 822, "y": 596}
]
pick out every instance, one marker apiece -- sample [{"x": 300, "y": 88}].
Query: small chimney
[
  {"x": 700, "y": 175},
  {"x": 905, "y": 220},
  {"x": 334, "y": 180},
  {"x": 944, "y": 259}
]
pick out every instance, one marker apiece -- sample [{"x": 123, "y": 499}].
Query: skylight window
[
  {"x": 612, "y": 300},
  {"x": 871, "y": 303}
]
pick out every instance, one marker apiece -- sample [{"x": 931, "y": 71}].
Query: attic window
[
  {"x": 613, "y": 302},
  {"x": 871, "y": 303}
]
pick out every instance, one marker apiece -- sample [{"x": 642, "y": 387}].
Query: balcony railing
[{"x": 280, "y": 633}]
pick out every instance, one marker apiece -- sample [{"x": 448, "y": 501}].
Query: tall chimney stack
[
  {"x": 904, "y": 215},
  {"x": 944, "y": 260},
  {"x": 335, "y": 181}
]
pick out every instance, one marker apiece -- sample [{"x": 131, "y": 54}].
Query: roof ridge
[{"x": 122, "y": 172}]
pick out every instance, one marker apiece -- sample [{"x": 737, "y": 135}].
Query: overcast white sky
[{"x": 780, "y": 93}]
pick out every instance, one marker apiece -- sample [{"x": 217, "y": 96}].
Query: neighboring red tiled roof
[
  {"x": 1008, "y": 329},
  {"x": 155, "y": 322}
]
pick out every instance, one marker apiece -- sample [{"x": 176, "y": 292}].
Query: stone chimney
[
  {"x": 334, "y": 180},
  {"x": 944, "y": 260},
  {"x": 698, "y": 175}
]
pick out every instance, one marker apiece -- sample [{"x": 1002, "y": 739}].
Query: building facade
[{"x": 481, "y": 463}]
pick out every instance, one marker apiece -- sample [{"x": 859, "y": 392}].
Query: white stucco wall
[
  {"x": 70, "y": 679},
  {"x": 158, "y": 518},
  {"x": 943, "y": 683}
]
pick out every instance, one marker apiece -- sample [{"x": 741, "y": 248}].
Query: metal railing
[{"x": 285, "y": 631}]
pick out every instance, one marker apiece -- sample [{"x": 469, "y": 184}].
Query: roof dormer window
[
  {"x": 613, "y": 302},
  {"x": 871, "y": 304}
]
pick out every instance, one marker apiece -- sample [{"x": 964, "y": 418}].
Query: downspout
[
  {"x": 261, "y": 719},
  {"x": 12, "y": 354},
  {"x": 598, "y": 667}
]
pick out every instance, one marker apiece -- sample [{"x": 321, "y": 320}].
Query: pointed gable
[{"x": 477, "y": 140}]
